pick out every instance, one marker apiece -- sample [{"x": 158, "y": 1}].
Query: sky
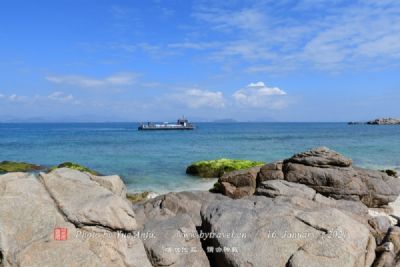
[{"x": 154, "y": 60}]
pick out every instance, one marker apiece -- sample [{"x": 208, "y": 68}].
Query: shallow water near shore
[{"x": 156, "y": 160}]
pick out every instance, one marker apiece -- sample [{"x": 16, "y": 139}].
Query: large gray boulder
[
  {"x": 176, "y": 243},
  {"x": 282, "y": 188},
  {"x": 111, "y": 182},
  {"x": 95, "y": 204},
  {"x": 274, "y": 188},
  {"x": 331, "y": 174},
  {"x": 321, "y": 157},
  {"x": 322, "y": 169},
  {"x": 32, "y": 206},
  {"x": 285, "y": 231},
  {"x": 175, "y": 203}
]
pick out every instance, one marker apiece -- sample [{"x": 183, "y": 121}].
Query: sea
[{"x": 156, "y": 160}]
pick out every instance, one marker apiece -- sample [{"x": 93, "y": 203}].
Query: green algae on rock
[
  {"x": 137, "y": 197},
  {"x": 75, "y": 166},
  {"x": 216, "y": 168},
  {"x": 13, "y": 166}
]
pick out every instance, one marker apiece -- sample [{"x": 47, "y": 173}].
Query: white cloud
[
  {"x": 336, "y": 35},
  {"x": 257, "y": 84},
  {"x": 194, "y": 45},
  {"x": 62, "y": 97},
  {"x": 16, "y": 98},
  {"x": 2, "y": 96},
  {"x": 258, "y": 95},
  {"x": 196, "y": 98},
  {"x": 119, "y": 79}
]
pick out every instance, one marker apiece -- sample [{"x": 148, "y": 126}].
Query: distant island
[{"x": 380, "y": 121}]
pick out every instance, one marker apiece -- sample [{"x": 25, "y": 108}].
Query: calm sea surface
[{"x": 156, "y": 161}]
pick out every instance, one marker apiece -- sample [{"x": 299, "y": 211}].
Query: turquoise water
[{"x": 156, "y": 161}]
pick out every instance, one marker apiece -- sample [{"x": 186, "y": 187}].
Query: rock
[
  {"x": 384, "y": 121},
  {"x": 217, "y": 168},
  {"x": 32, "y": 209},
  {"x": 382, "y": 188},
  {"x": 175, "y": 243},
  {"x": 271, "y": 171},
  {"x": 95, "y": 204},
  {"x": 392, "y": 173},
  {"x": 380, "y": 226},
  {"x": 321, "y": 157},
  {"x": 116, "y": 248},
  {"x": 137, "y": 197},
  {"x": 238, "y": 184},
  {"x": 23, "y": 199},
  {"x": 285, "y": 231},
  {"x": 380, "y": 223},
  {"x": 393, "y": 236},
  {"x": 388, "y": 252},
  {"x": 75, "y": 166},
  {"x": 48, "y": 254},
  {"x": 172, "y": 204},
  {"x": 331, "y": 174},
  {"x": 274, "y": 188},
  {"x": 112, "y": 183},
  {"x": 282, "y": 188},
  {"x": 13, "y": 166}
]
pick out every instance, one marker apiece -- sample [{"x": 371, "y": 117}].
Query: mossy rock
[
  {"x": 75, "y": 166},
  {"x": 390, "y": 172},
  {"x": 137, "y": 197},
  {"x": 13, "y": 166},
  {"x": 216, "y": 168}
]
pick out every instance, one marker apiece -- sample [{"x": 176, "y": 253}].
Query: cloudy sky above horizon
[{"x": 305, "y": 60}]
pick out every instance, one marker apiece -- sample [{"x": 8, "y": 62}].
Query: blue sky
[{"x": 306, "y": 60}]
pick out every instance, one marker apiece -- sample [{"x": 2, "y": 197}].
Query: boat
[{"x": 181, "y": 124}]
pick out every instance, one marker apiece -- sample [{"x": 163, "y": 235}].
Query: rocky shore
[
  {"x": 380, "y": 121},
  {"x": 384, "y": 121},
  {"x": 313, "y": 209}
]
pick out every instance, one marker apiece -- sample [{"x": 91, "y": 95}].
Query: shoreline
[{"x": 315, "y": 199}]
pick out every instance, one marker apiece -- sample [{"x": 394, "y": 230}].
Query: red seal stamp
[{"x": 60, "y": 234}]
